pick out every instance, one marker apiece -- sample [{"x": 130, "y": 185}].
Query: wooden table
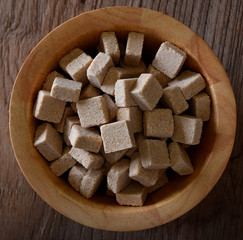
[{"x": 23, "y": 215}]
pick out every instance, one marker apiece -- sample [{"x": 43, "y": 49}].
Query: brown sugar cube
[
  {"x": 158, "y": 123},
  {"x": 187, "y": 130},
  {"x": 68, "y": 111},
  {"x": 98, "y": 68},
  {"x": 123, "y": 96},
  {"x": 134, "y": 117},
  {"x": 50, "y": 79},
  {"x": 169, "y": 59},
  {"x": 200, "y": 106},
  {"x": 111, "y": 107},
  {"x": 190, "y": 83},
  {"x": 48, "y": 141},
  {"x": 70, "y": 121},
  {"x": 131, "y": 71},
  {"x": 62, "y": 164},
  {"x": 89, "y": 92},
  {"x": 91, "y": 181},
  {"x": 75, "y": 176},
  {"x": 88, "y": 159},
  {"x": 154, "y": 154},
  {"x": 117, "y": 177},
  {"x": 161, "y": 78},
  {"x": 174, "y": 99},
  {"x": 66, "y": 90},
  {"x": 163, "y": 180},
  {"x": 76, "y": 63},
  {"x": 147, "y": 92},
  {"x": 92, "y": 111},
  {"x": 133, "y": 195},
  {"x": 134, "y": 48},
  {"x": 47, "y": 108},
  {"x": 180, "y": 161},
  {"x": 113, "y": 74},
  {"x": 109, "y": 45},
  {"x": 117, "y": 136},
  {"x": 147, "y": 177},
  {"x": 139, "y": 137},
  {"x": 85, "y": 138},
  {"x": 114, "y": 156}
]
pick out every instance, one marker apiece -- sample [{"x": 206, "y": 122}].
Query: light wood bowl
[{"x": 209, "y": 157}]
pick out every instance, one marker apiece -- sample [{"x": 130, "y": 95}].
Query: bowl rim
[{"x": 155, "y": 211}]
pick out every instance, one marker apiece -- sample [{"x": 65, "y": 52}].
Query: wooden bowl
[{"x": 209, "y": 158}]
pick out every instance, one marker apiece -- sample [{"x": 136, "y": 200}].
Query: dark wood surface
[{"x": 23, "y": 215}]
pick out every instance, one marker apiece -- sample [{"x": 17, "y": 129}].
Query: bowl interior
[
  {"x": 151, "y": 45},
  {"x": 84, "y": 32}
]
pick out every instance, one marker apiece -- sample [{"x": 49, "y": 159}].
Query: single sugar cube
[
  {"x": 154, "y": 154},
  {"x": 48, "y": 141},
  {"x": 113, "y": 74},
  {"x": 147, "y": 177},
  {"x": 169, "y": 59},
  {"x": 187, "y": 130},
  {"x": 87, "y": 139},
  {"x": 123, "y": 96},
  {"x": 68, "y": 111},
  {"x": 66, "y": 90},
  {"x": 89, "y": 92},
  {"x": 200, "y": 106},
  {"x": 158, "y": 123},
  {"x": 131, "y": 71},
  {"x": 163, "y": 180},
  {"x": 114, "y": 156},
  {"x": 180, "y": 161},
  {"x": 134, "y": 48},
  {"x": 98, "y": 68},
  {"x": 109, "y": 45},
  {"x": 62, "y": 164},
  {"x": 70, "y": 121},
  {"x": 147, "y": 92},
  {"x": 111, "y": 107},
  {"x": 161, "y": 78},
  {"x": 117, "y": 177},
  {"x": 91, "y": 181},
  {"x": 190, "y": 83},
  {"x": 47, "y": 108},
  {"x": 134, "y": 117},
  {"x": 76, "y": 63},
  {"x": 92, "y": 111},
  {"x": 88, "y": 159},
  {"x": 50, "y": 79},
  {"x": 117, "y": 136},
  {"x": 174, "y": 99},
  {"x": 75, "y": 176},
  {"x": 133, "y": 195},
  {"x": 139, "y": 137}
]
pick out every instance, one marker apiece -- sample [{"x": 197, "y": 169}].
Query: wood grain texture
[{"x": 23, "y": 24}]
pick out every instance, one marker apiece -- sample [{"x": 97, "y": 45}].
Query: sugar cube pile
[{"x": 111, "y": 116}]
